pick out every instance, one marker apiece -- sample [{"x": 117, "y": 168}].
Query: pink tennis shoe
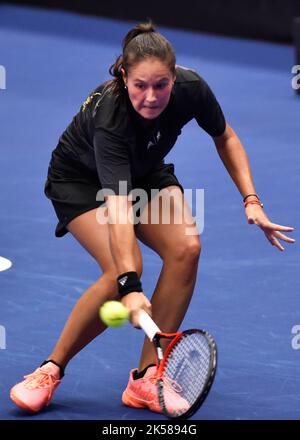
[
  {"x": 35, "y": 392},
  {"x": 142, "y": 393}
]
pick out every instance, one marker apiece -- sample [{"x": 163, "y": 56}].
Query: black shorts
[{"x": 73, "y": 195}]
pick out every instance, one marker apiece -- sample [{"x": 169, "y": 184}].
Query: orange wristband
[
  {"x": 253, "y": 202},
  {"x": 250, "y": 195}
]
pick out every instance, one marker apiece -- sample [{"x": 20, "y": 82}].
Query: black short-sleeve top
[{"x": 107, "y": 137}]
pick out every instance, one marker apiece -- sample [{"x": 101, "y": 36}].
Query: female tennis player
[{"x": 117, "y": 143}]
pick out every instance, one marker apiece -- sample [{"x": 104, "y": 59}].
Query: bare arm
[
  {"x": 122, "y": 243},
  {"x": 236, "y": 162},
  {"x": 121, "y": 233},
  {"x": 234, "y": 157}
]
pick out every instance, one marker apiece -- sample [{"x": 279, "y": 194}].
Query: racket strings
[
  {"x": 188, "y": 366},
  {"x": 171, "y": 384}
]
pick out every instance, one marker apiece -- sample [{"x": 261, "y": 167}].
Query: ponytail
[
  {"x": 140, "y": 43},
  {"x": 139, "y": 29}
]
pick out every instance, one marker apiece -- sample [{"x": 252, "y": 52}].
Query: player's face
[{"x": 149, "y": 85}]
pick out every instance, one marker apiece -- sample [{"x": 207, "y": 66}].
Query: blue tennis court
[{"x": 247, "y": 292}]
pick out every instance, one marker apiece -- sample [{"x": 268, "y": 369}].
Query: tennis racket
[{"x": 186, "y": 368}]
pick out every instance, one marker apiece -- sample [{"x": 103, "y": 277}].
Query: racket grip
[{"x": 148, "y": 325}]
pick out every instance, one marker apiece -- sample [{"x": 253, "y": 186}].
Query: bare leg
[
  {"x": 174, "y": 289},
  {"x": 84, "y": 324}
]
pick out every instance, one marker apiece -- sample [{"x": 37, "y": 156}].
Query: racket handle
[{"x": 148, "y": 325}]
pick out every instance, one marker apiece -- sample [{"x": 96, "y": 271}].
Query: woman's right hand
[{"x": 135, "y": 302}]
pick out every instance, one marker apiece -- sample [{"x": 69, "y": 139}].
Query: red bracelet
[
  {"x": 250, "y": 195},
  {"x": 253, "y": 202}
]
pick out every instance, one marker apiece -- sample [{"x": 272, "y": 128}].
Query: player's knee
[
  {"x": 186, "y": 252},
  {"x": 191, "y": 250},
  {"x": 196, "y": 247},
  {"x": 110, "y": 276},
  {"x": 106, "y": 285}
]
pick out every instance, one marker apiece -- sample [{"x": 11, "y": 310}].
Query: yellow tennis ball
[{"x": 113, "y": 314}]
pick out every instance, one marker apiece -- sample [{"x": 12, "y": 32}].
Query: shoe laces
[{"x": 40, "y": 378}]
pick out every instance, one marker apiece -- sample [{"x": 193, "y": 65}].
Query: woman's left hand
[{"x": 256, "y": 215}]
